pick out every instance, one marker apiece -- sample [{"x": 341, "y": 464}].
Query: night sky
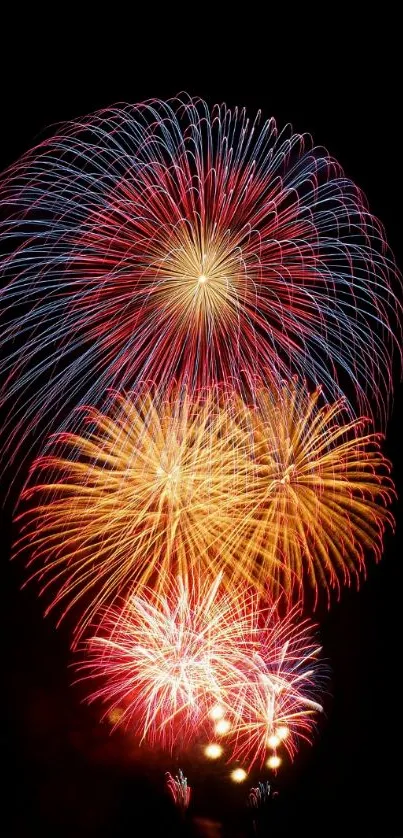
[{"x": 66, "y": 775}]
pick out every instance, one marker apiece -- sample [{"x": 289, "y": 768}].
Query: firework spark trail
[{"x": 163, "y": 240}]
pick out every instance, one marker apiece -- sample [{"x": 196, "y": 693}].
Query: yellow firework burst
[
  {"x": 321, "y": 489},
  {"x": 201, "y": 282},
  {"x": 156, "y": 486}
]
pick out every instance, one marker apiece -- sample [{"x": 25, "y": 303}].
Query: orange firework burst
[
  {"x": 321, "y": 489},
  {"x": 158, "y": 485},
  {"x": 268, "y": 493}
]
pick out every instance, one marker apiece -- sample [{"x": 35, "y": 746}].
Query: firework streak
[{"x": 179, "y": 789}]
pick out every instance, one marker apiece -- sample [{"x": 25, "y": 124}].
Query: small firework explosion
[
  {"x": 179, "y": 789},
  {"x": 320, "y": 492},
  {"x": 157, "y": 486},
  {"x": 260, "y": 795},
  {"x": 276, "y": 702},
  {"x": 169, "y": 658}
]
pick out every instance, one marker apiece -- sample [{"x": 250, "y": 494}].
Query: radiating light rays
[
  {"x": 280, "y": 688},
  {"x": 200, "y": 286},
  {"x": 171, "y": 659},
  {"x": 156, "y": 487},
  {"x": 164, "y": 240},
  {"x": 168, "y": 658},
  {"x": 321, "y": 490}
]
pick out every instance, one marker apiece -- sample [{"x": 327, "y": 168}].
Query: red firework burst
[{"x": 165, "y": 239}]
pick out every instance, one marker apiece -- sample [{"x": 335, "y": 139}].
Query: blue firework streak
[{"x": 169, "y": 240}]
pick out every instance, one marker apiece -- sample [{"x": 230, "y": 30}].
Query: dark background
[{"x": 66, "y": 776}]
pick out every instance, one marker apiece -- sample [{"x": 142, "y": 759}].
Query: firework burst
[
  {"x": 166, "y": 240},
  {"x": 275, "y": 701},
  {"x": 156, "y": 486},
  {"x": 269, "y": 494},
  {"x": 320, "y": 492},
  {"x": 167, "y": 658},
  {"x": 260, "y": 795},
  {"x": 170, "y": 660}
]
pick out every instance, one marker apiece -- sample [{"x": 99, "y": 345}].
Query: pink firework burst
[
  {"x": 199, "y": 659},
  {"x": 277, "y": 704},
  {"x": 167, "y": 657}
]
